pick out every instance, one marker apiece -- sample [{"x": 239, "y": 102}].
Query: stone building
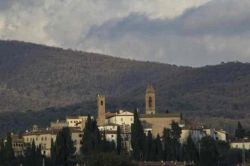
[
  {"x": 43, "y": 138},
  {"x": 198, "y": 133},
  {"x": 101, "y": 110},
  {"x": 76, "y": 121},
  {"x": 240, "y": 144},
  {"x": 17, "y": 145},
  {"x": 59, "y": 124},
  {"x": 158, "y": 121},
  {"x": 120, "y": 118}
]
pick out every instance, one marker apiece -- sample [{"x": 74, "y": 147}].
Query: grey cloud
[
  {"x": 193, "y": 32},
  {"x": 218, "y": 31}
]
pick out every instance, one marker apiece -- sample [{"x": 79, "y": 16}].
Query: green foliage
[
  {"x": 240, "y": 131},
  {"x": 190, "y": 151},
  {"x": 148, "y": 147},
  {"x": 137, "y": 138},
  {"x": 119, "y": 141},
  {"x": 167, "y": 145},
  {"x": 53, "y": 151},
  {"x": 208, "y": 152},
  {"x": 64, "y": 148},
  {"x": 158, "y": 152},
  {"x": 171, "y": 143},
  {"x": 33, "y": 156},
  {"x": 8, "y": 157},
  {"x": 91, "y": 140}
]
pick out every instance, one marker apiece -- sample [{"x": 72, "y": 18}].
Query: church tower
[
  {"x": 150, "y": 100},
  {"x": 100, "y": 110}
]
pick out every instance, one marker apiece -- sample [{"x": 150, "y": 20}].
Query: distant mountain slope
[{"x": 34, "y": 77}]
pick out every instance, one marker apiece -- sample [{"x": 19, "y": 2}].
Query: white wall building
[
  {"x": 77, "y": 121},
  {"x": 44, "y": 137},
  {"x": 240, "y": 144},
  {"x": 198, "y": 134},
  {"x": 110, "y": 131},
  {"x": 120, "y": 118}
]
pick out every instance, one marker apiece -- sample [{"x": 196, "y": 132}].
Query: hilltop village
[{"x": 108, "y": 123}]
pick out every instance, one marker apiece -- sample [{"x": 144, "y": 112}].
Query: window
[
  {"x": 42, "y": 138},
  {"x": 112, "y": 135},
  {"x": 122, "y": 119},
  {"x": 101, "y": 102},
  {"x": 150, "y": 101}
]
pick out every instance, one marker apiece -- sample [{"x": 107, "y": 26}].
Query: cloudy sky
[{"x": 182, "y": 32}]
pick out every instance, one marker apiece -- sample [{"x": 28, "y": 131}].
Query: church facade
[
  {"x": 157, "y": 121},
  {"x": 151, "y": 118}
]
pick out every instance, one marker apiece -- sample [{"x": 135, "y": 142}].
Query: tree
[
  {"x": 148, "y": 147},
  {"x": 53, "y": 159},
  {"x": 91, "y": 140},
  {"x": 1, "y": 151},
  {"x": 240, "y": 131},
  {"x": 208, "y": 152},
  {"x": 158, "y": 145},
  {"x": 119, "y": 141},
  {"x": 175, "y": 143},
  {"x": 223, "y": 151},
  {"x": 8, "y": 152},
  {"x": 137, "y": 138},
  {"x": 167, "y": 152},
  {"x": 33, "y": 156},
  {"x": 190, "y": 150},
  {"x": 106, "y": 146},
  {"x": 64, "y": 147}
]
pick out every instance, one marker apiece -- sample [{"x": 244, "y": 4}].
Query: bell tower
[
  {"x": 100, "y": 110},
  {"x": 150, "y": 100}
]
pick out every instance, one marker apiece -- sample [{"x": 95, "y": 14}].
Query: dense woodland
[{"x": 40, "y": 78}]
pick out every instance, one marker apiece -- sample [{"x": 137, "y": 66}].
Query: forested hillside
[{"x": 35, "y": 77}]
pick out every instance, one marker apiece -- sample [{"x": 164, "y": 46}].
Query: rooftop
[{"x": 160, "y": 115}]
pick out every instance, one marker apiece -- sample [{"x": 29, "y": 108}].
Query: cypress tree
[
  {"x": 208, "y": 153},
  {"x": 119, "y": 141},
  {"x": 137, "y": 138},
  {"x": 33, "y": 156},
  {"x": 167, "y": 144},
  {"x": 148, "y": 146},
  {"x": 240, "y": 131},
  {"x": 1, "y": 151},
  {"x": 190, "y": 150},
  {"x": 92, "y": 139},
  {"x": 8, "y": 152},
  {"x": 175, "y": 135},
  {"x": 64, "y": 147},
  {"x": 53, "y": 154},
  {"x": 158, "y": 145}
]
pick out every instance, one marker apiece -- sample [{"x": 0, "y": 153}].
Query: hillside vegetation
[{"x": 35, "y": 77}]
